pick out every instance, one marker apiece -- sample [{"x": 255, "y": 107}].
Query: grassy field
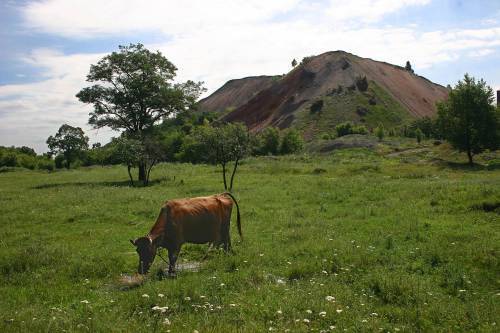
[{"x": 355, "y": 241}]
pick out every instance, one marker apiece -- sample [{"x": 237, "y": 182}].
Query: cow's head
[{"x": 146, "y": 251}]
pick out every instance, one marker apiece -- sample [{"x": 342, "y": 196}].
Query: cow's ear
[{"x": 133, "y": 242}]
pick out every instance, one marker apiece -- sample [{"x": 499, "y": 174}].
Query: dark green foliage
[
  {"x": 292, "y": 142},
  {"x": 468, "y": 119},
  {"x": 69, "y": 142},
  {"x": 418, "y": 135},
  {"x": 362, "y": 83},
  {"x": 316, "y": 106},
  {"x": 270, "y": 141},
  {"x": 347, "y": 128},
  {"x": 380, "y": 132},
  {"x": 294, "y": 62},
  {"x": 343, "y": 129},
  {"x": 408, "y": 67}
]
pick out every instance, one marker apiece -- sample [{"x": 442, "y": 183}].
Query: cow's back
[{"x": 197, "y": 220}]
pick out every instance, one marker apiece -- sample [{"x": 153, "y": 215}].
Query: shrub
[
  {"x": 46, "y": 164},
  {"x": 8, "y": 159},
  {"x": 26, "y": 161},
  {"x": 316, "y": 106},
  {"x": 270, "y": 141},
  {"x": 343, "y": 129},
  {"x": 59, "y": 161},
  {"x": 361, "y": 129},
  {"x": 292, "y": 142},
  {"x": 362, "y": 83},
  {"x": 379, "y": 132}
]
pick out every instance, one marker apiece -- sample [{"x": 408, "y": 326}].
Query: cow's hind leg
[{"x": 173, "y": 254}]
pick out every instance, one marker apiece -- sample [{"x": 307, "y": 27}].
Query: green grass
[
  {"x": 400, "y": 241},
  {"x": 342, "y": 107}
]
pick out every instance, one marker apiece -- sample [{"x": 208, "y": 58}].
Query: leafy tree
[
  {"x": 468, "y": 119},
  {"x": 133, "y": 91},
  {"x": 69, "y": 141},
  {"x": 292, "y": 142},
  {"x": 408, "y": 67},
  {"x": 294, "y": 62},
  {"x": 225, "y": 144}
]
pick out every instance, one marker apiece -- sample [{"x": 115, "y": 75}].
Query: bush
[
  {"x": 270, "y": 140},
  {"x": 316, "y": 106},
  {"x": 362, "y": 83},
  {"x": 46, "y": 164},
  {"x": 26, "y": 161},
  {"x": 292, "y": 142},
  {"x": 379, "y": 132},
  {"x": 60, "y": 162},
  {"x": 8, "y": 159},
  {"x": 361, "y": 129},
  {"x": 343, "y": 129}
]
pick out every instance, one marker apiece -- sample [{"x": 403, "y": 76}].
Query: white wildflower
[
  {"x": 279, "y": 312},
  {"x": 374, "y": 314},
  {"x": 307, "y": 321},
  {"x": 166, "y": 321},
  {"x": 322, "y": 314},
  {"x": 187, "y": 298},
  {"x": 339, "y": 310},
  {"x": 145, "y": 295},
  {"x": 84, "y": 301},
  {"x": 309, "y": 311},
  {"x": 330, "y": 298},
  {"x": 161, "y": 295},
  {"x": 232, "y": 304}
]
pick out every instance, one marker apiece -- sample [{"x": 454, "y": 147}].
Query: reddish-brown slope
[
  {"x": 234, "y": 93},
  {"x": 319, "y": 75}
]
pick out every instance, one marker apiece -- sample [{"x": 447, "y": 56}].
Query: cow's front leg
[{"x": 173, "y": 254}]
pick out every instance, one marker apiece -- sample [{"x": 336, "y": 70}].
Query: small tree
[
  {"x": 225, "y": 144},
  {"x": 292, "y": 142},
  {"x": 70, "y": 142},
  {"x": 419, "y": 135},
  {"x": 379, "y": 132},
  {"x": 468, "y": 119},
  {"x": 408, "y": 67},
  {"x": 294, "y": 62}
]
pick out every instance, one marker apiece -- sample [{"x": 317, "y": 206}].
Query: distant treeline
[{"x": 175, "y": 140}]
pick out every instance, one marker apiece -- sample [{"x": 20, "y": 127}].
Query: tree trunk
[
  {"x": 148, "y": 172},
  {"x": 469, "y": 155},
  {"x": 130, "y": 175},
  {"x": 224, "y": 175},
  {"x": 232, "y": 175},
  {"x": 142, "y": 172}
]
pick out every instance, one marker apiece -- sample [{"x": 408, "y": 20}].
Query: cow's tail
[{"x": 238, "y": 218}]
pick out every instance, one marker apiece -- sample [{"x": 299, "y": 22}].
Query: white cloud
[
  {"x": 31, "y": 112},
  {"x": 367, "y": 10},
  {"x": 215, "y": 41}
]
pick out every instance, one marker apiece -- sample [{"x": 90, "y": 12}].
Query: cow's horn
[{"x": 133, "y": 242}]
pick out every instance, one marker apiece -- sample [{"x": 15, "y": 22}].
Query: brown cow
[{"x": 196, "y": 220}]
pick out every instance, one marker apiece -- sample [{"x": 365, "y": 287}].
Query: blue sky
[{"x": 47, "y": 46}]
